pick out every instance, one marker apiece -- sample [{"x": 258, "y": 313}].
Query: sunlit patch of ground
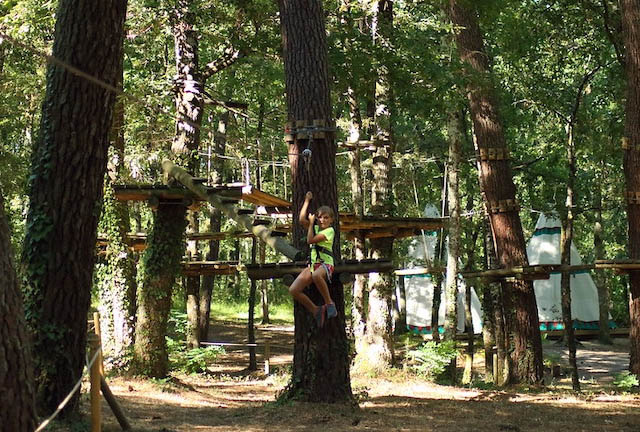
[{"x": 232, "y": 399}]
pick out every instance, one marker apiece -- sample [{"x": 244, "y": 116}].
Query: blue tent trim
[{"x": 577, "y": 325}]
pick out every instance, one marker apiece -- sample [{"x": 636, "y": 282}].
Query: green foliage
[
  {"x": 626, "y": 381},
  {"x": 185, "y": 360},
  {"x": 431, "y": 359},
  {"x": 191, "y": 361}
]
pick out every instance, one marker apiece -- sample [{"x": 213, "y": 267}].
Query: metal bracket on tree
[{"x": 503, "y": 206}]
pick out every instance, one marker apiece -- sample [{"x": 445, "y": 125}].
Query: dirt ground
[{"x": 231, "y": 399}]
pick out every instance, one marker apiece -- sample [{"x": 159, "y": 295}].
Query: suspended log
[{"x": 260, "y": 231}]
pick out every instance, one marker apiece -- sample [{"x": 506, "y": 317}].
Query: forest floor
[{"x": 232, "y": 399}]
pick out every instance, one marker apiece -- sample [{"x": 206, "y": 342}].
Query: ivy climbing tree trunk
[
  {"x": 68, "y": 168},
  {"x": 631, "y": 35},
  {"x": 321, "y": 356},
  {"x": 378, "y": 347},
  {"x": 161, "y": 263},
  {"x": 498, "y": 188},
  {"x": 16, "y": 374},
  {"x": 117, "y": 289}
]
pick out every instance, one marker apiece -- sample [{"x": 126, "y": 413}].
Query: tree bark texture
[
  {"x": 321, "y": 357},
  {"x": 161, "y": 262},
  {"x": 68, "y": 167},
  {"x": 17, "y": 396},
  {"x": 189, "y": 87},
  {"x": 631, "y": 35},
  {"x": 378, "y": 346},
  {"x": 498, "y": 187}
]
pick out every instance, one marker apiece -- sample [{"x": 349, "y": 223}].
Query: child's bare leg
[
  {"x": 296, "y": 290},
  {"x": 319, "y": 277}
]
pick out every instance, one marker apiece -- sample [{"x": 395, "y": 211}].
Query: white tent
[
  {"x": 419, "y": 288},
  {"x": 544, "y": 248}
]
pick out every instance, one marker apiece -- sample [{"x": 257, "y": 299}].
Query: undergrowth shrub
[
  {"x": 625, "y": 381},
  {"x": 430, "y": 359},
  {"x": 185, "y": 360}
]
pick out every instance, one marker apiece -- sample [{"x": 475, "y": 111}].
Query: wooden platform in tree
[
  {"x": 204, "y": 268},
  {"x": 274, "y": 207},
  {"x": 230, "y": 191},
  {"x": 142, "y": 192},
  {"x": 278, "y": 270},
  {"x": 384, "y": 227},
  {"x": 138, "y": 241}
]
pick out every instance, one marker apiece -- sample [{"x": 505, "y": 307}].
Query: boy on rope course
[{"x": 320, "y": 236}]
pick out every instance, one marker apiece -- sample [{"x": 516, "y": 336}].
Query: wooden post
[
  {"x": 496, "y": 379},
  {"x": 96, "y": 413},
  {"x": 267, "y": 354},
  {"x": 111, "y": 400},
  {"x": 98, "y": 330}
]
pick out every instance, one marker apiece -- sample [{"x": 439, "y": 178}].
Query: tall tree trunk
[
  {"x": 166, "y": 241},
  {"x": 118, "y": 289},
  {"x": 215, "y": 225},
  {"x": 358, "y": 311},
  {"x": 321, "y": 358},
  {"x": 499, "y": 190},
  {"x": 604, "y": 334},
  {"x": 631, "y": 35},
  {"x": 453, "y": 245},
  {"x": 453, "y": 250},
  {"x": 358, "y": 304},
  {"x": 161, "y": 262},
  {"x": 438, "y": 260},
  {"x": 378, "y": 346},
  {"x": 68, "y": 167},
  {"x": 16, "y": 374},
  {"x": 565, "y": 247},
  {"x": 192, "y": 286}
]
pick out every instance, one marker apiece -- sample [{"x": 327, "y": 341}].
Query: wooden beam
[
  {"x": 199, "y": 268},
  {"x": 278, "y": 270}
]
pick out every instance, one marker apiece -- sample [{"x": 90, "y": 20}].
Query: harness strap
[{"x": 319, "y": 249}]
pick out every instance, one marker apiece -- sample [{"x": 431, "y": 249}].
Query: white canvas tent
[
  {"x": 419, "y": 288},
  {"x": 544, "y": 248}
]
